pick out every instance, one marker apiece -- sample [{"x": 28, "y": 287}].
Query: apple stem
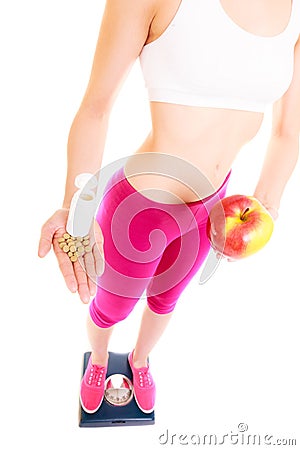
[{"x": 243, "y": 214}]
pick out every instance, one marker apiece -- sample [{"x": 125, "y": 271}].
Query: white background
[{"x": 233, "y": 342}]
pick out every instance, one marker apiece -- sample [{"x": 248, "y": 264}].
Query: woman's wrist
[
  {"x": 273, "y": 211},
  {"x": 271, "y": 205}
]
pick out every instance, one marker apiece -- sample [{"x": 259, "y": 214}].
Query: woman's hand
[
  {"x": 221, "y": 256},
  {"x": 273, "y": 212},
  {"x": 80, "y": 276}
]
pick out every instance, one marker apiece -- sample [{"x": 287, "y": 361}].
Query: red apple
[{"x": 239, "y": 226}]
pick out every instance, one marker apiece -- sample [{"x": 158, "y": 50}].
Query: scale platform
[{"x": 119, "y": 407}]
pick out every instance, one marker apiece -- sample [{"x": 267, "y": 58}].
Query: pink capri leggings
[{"x": 148, "y": 245}]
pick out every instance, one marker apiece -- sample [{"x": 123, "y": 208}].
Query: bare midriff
[{"x": 208, "y": 139}]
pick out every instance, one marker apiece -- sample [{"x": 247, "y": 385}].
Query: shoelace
[
  {"x": 145, "y": 379},
  {"x": 96, "y": 375}
]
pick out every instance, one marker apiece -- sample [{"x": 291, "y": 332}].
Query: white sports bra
[{"x": 204, "y": 58}]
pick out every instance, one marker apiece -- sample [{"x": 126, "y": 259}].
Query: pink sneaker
[
  {"x": 92, "y": 387},
  {"x": 143, "y": 386}
]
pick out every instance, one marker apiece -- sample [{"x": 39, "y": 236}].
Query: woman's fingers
[
  {"x": 52, "y": 227},
  {"x": 231, "y": 260},
  {"x": 99, "y": 260},
  {"x": 80, "y": 275},
  {"x": 219, "y": 255},
  {"x": 91, "y": 272},
  {"x": 76, "y": 274},
  {"x": 92, "y": 287},
  {"x": 94, "y": 261},
  {"x": 98, "y": 251},
  {"x": 46, "y": 239},
  {"x": 66, "y": 267},
  {"x": 82, "y": 280}
]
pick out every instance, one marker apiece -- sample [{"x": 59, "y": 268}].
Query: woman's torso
[{"x": 208, "y": 138}]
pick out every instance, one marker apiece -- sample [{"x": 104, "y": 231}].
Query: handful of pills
[{"x": 74, "y": 246}]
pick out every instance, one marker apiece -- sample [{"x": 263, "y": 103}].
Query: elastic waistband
[{"x": 120, "y": 176}]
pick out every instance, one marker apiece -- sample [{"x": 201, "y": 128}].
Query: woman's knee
[
  {"x": 161, "y": 305},
  {"x": 107, "y": 312}
]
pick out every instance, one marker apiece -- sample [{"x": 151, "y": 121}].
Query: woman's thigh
[
  {"x": 183, "y": 257},
  {"x": 179, "y": 264},
  {"x": 136, "y": 232}
]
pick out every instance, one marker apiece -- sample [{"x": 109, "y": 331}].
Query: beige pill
[
  {"x": 73, "y": 248},
  {"x": 80, "y": 249},
  {"x": 66, "y": 248},
  {"x": 88, "y": 249},
  {"x": 70, "y": 254},
  {"x": 73, "y": 258},
  {"x": 61, "y": 240},
  {"x": 62, "y": 244},
  {"x": 66, "y": 236},
  {"x": 79, "y": 238},
  {"x": 86, "y": 243},
  {"x": 77, "y": 254}
]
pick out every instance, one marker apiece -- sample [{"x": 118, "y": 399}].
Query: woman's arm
[
  {"x": 123, "y": 32},
  {"x": 283, "y": 149}
]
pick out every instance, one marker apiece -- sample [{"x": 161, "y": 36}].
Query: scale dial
[{"x": 118, "y": 390}]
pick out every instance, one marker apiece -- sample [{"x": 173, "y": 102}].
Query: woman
[{"x": 211, "y": 67}]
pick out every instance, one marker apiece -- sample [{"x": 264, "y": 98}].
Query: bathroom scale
[{"x": 119, "y": 407}]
